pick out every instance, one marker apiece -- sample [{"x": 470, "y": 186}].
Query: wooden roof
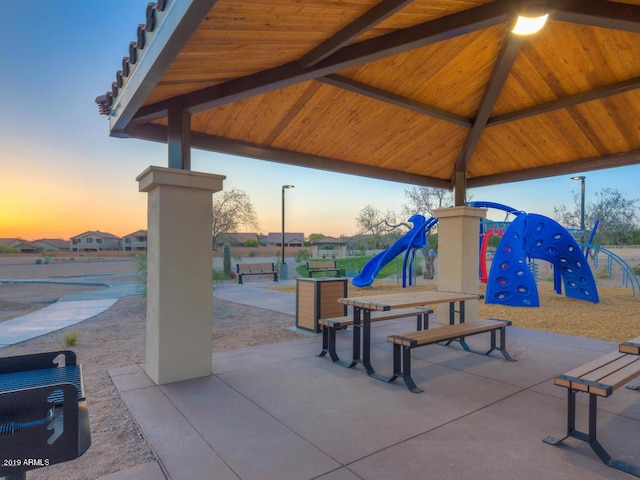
[{"x": 428, "y": 92}]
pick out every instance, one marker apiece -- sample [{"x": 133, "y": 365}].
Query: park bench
[
  {"x": 256, "y": 269},
  {"x": 318, "y": 267},
  {"x": 599, "y": 378},
  {"x": 405, "y": 342},
  {"x": 44, "y": 417},
  {"x": 331, "y": 325}
]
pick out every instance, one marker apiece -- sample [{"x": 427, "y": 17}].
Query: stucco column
[
  {"x": 458, "y": 255},
  {"x": 179, "y": 272}
]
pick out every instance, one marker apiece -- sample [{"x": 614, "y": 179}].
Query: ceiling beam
[
  {"x": 393, "y": 43},
  {"x": 595, "y": 94},
  {"x": 371, "y": 17},
  {"x": 566, "y": 168},
  {"x": 158, "y": 133},
  {"x": 501, "y": 70},
  {"x": 388, "y": 97},
  {"x": 598, "y": 13}
]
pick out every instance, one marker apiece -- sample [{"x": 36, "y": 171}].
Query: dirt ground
[{"x": 117, "y": 338}]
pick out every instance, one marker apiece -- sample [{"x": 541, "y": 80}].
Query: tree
[
  {"x": 232, "y": 209},
  {"x": 380, "y": 225},
  {"x": 313, "y": 237},
  {"x": 423, "y": 201},
  {"x": 616, "y": 214}
]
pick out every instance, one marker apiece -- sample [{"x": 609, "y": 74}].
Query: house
[
  {"x": 329, "y": 247},
  {"x": 52, "y": 245},
  {"x": 22, "y": 246},
  {"x": 136, "y": 241},
  {"x": 290, "y": 239},
  {"x": 238, "y": 239},
  {"x": 94, "y": 241}
]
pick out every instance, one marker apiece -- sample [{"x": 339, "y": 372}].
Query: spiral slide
[{"x": 414, "y": 238}]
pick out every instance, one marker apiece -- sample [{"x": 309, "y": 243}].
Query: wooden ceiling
[{"x": 428, "y": 92}]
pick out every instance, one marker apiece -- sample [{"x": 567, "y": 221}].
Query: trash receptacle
[{"x": 318, "y": 298}]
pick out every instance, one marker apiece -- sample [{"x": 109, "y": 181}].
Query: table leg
[
  {"x": 366, "y": 342},
  {"x": 357, "y": 326},
  {"x": 356, "y": 341}
]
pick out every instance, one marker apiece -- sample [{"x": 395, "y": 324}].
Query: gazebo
[{"x": 423, "y": 92}]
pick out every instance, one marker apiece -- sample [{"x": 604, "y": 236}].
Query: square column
[
  {"x": 179, "y": 272},
  {"x": 458, "y": 255}
]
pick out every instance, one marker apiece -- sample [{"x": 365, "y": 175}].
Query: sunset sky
[{"x": 61, "y": 174}]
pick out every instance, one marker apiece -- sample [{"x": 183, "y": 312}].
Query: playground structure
[
  {"x": 512, "y": 279},
  {"x": 408, "y": 243}
]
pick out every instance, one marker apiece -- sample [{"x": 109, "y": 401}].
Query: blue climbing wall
[
  {"x": 536, "y": 236},
  {"x": 510, "y": 281},
  {"x": 547, "y": 240}
]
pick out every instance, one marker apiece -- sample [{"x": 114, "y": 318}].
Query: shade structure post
[
  {"x": 179, "y": 272},
  {"x": 458, "y": 255}
]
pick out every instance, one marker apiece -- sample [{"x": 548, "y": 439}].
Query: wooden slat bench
[
  {"x": 256, "y": 269},
  {"x": 403, "y": 343},
  {"x": 599, "y": 378},
  {"x": 319, "y": 267},
  {"x": 331, "y": 325}
]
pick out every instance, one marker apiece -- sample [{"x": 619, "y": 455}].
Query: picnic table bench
[
  {"x": 256, "y": 269},
  {"x": 318, "y": 267},
  {"x": 44, "y": 417},
  {"x": 599, "y": 378},
  {"x": 405, "y": 342},
  {"x": 331, "y": 325}
]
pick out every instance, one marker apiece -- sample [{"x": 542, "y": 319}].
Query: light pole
[
  {"x": 283, "y": 265},
  {"x": 582, "y": 226}
]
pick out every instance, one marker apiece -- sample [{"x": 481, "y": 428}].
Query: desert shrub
[
  {"x": 302, "y": 255},
  {"x": 141, "y": 277},
  {"x": 70, "y": 339}
]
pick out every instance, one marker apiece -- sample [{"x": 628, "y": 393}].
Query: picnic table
[{"x": 364, "y": 306}]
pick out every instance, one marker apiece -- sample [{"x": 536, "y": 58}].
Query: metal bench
[
  {"x": 403, "y": 343},
  {"x": 599, "y": 378},
  {"x": 44, "y": 417},
  {"x": 256, "y": 269},
  {"x": 319, "y": 267}
]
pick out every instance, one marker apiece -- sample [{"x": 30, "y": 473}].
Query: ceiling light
[{"x": 529, "y": 25}]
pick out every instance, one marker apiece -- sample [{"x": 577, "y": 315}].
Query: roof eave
[{"x": 180, "y": 19}]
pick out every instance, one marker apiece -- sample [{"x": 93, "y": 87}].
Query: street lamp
[
  {"x": 283, "y": 265},
  {"x": 582, "y": 226}
]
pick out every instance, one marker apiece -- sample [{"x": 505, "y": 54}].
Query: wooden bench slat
[
  {"x": 326, "y": 266},
  {"x": 624, "y": 375},
  {"x": 256, "y": 269},
  {"x": 609, "y": 369},
  {"x": 603, "y": 375},
  {"x": 424, "y": 337},
  {"x": 594, "y": 365},
  {"x": 347, "y": 320},
  {"x": 630, "y": 346}
]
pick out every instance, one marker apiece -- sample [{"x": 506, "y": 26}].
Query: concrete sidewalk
[{"x": 66, "y": 311}]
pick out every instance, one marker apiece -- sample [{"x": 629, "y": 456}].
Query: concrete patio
[{"x": 279, "y": 412}]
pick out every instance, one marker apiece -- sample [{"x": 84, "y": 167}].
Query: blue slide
[{"x": 414, "y": 238}]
